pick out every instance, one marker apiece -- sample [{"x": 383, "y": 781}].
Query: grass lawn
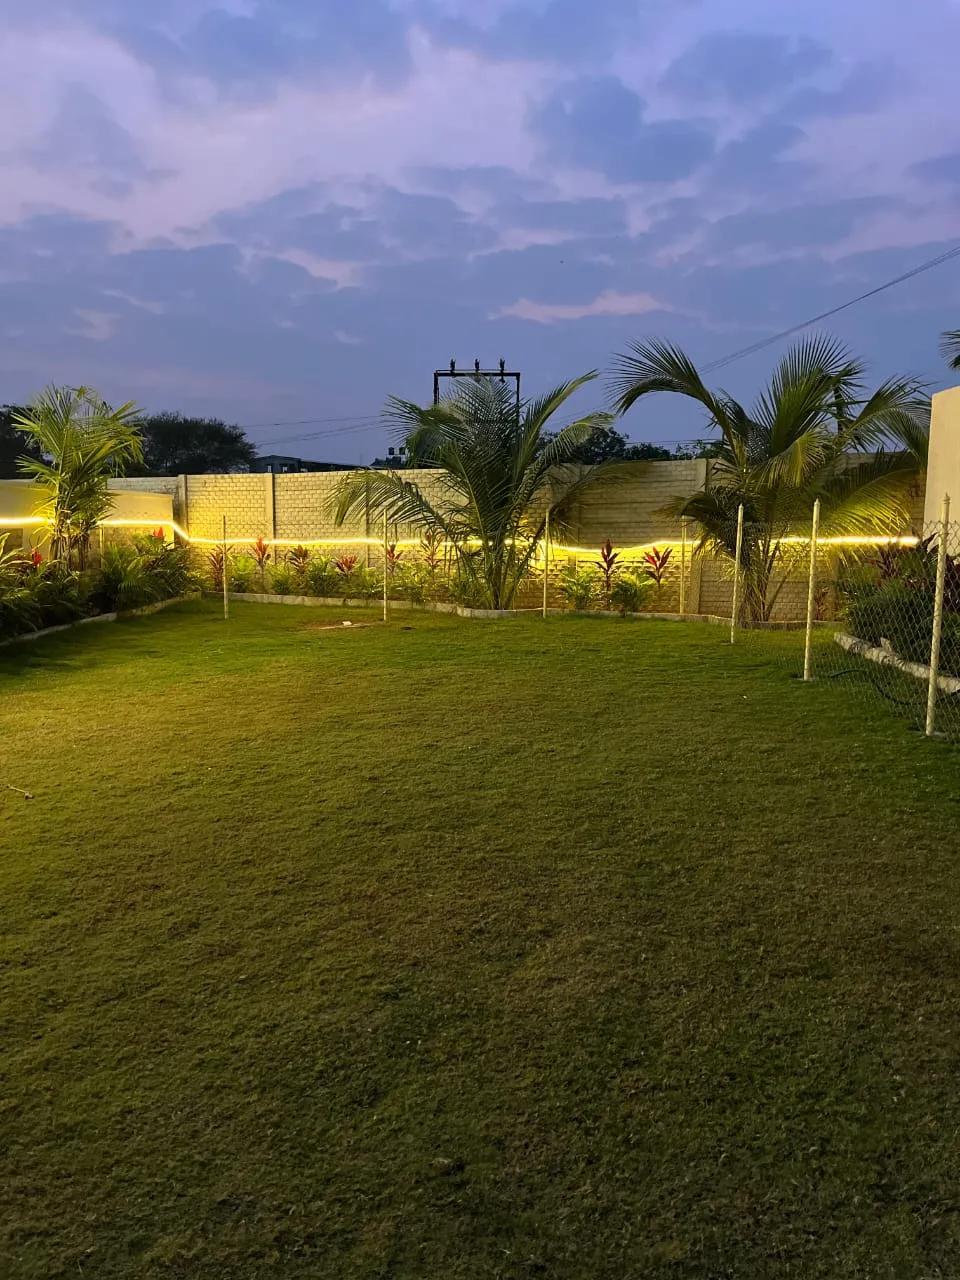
[{"x": 587, "y": 950}]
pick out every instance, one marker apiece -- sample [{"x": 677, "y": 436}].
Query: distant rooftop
[{"x": 281, "y": 463}]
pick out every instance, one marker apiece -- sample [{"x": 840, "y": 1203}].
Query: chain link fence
[{"x": 877, "y": 614}]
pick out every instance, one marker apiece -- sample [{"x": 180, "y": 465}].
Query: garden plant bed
[{"x": 547, "y": 948}]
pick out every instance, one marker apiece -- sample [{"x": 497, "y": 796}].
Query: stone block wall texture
[
  {"x": 631, "y": 513},
  {"x": 147, "y": 484},
  {"x": 241, "y": 498}
]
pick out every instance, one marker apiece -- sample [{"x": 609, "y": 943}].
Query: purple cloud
[
  {"x": 744, "y": 66},
  {"x": 272, "y": 210},
  {"x": 599, "y": 123},
  {"x": 940, "y": 168}
]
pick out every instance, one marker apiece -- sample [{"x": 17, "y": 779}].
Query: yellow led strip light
[{"x": 864, "y": 540}]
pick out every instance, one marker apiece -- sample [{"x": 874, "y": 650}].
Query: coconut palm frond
[
  {"x": 539, "y": 411},
  {"x": 536, "y": 459},
  {"x": 882, "y": 414},
  {"x": 811, "y": 434},
  {"x": 872, "y": 496},
  {"x": 821, "y": 356},
  {"x": 425, "y": 432},
  {"x": 716, "y": 516},
  {"x": 783, "y": 414},
  {"x": 83, "y": 443},
  {"x": 793, "y": 466},
  {"x": 661, "y": 366},
  {"x": 493, "y": 464},
  {"x": 950, "y": 347},
  {"x": 380, "y": 493},
  {"x": 910, "y": 430}
]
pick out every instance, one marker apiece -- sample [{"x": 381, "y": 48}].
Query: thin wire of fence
[
  {"x": 877, "y": 615},
  {"x": 894, "y": 627}
]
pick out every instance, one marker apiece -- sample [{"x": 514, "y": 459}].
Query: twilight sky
[{"x": 286, "y": 210}]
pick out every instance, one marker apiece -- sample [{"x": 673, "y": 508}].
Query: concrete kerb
[
  {"x": 885, "y": 655},
  {"x": 338, "y": 602},
  {"x": 462, "y": 611}
]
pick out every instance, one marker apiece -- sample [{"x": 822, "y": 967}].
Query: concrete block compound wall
[
  {"x": 632, "y": 512},
  {"x": 302, "y": 506},
  {"x": 139, "y": 502}
]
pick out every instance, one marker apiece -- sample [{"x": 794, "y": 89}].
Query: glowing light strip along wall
[{"x": 19, "y": 522}]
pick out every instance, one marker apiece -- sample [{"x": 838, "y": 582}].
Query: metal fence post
[
  {"x": 938, "y": 616},
  {"x": 386, "y": 543},
  {"x": 366, "y": 525},
  {"x": 811, "y": 595},
  {"x": 683, "y": 565},
  {"x": 735, "y": 608},
  {"x": 546, "y": 559},
  {"x": 226, "y": 575}
]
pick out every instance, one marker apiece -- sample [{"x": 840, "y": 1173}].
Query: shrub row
[
  {"x": 37, "y": 593},
  {"x": 891, "y": 600}
]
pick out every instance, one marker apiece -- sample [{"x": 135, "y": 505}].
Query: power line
[
  {"x": 367, "y": 422},
  {"x": 825, "y": 315},
  {"x": 370, "y": 425},
  {"x": 302, "y": 422},
  {"x": 379, "y": 426}
]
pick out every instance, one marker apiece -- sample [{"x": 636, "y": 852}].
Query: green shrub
[
  {"x": 282, "y": 580},
  {"x": 132, "y": 576},
  {"x": 411, "y": 582},
  {"x": 321, "y": 578},
  {"x": 244, "y": 572},
  {"x": 57, "y": 593},
  {"x": 35, "y": 594},
  {"x": 362, "y": 583},
  {"x": 631, "y": 591},
  {"x": 169, "y": 565},
  {"x": 123, "y": 581},
  {"x": 900, "y": 613},
  {"x": 466, "y": 589},
  {"x": 580, "y": 588}
]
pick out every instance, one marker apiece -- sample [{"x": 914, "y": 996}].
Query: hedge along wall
[{"x": 300, "y": 506}]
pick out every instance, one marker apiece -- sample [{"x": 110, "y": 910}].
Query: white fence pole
[
  {"x": 938, "y": 616},
  {"x": 683, "y": 566},
  {"x": 226, "y": 575},
  {"x": 735, "y": 607},
  {"x": 386, "y": 543},
  {"x": 811, "y": 595},
  {"x": 546, "y": 559}
]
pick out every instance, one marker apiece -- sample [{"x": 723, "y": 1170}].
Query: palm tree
[
  {"x": 82, "y": 443},
  {"x": 815, "y": 432},
  {"x": 498, "y": 473},
  {"x": 950, "y": 347}
]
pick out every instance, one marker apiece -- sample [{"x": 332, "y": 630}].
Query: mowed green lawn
[{"x": 584, "y": 949}]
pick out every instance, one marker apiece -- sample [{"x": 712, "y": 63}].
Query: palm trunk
[{"x": 760, "y": 558}]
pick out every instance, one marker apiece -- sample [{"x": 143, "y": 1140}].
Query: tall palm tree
[
  {"x": 950, "y": 347},
  {"x": 82, "y": 443},
  {"x": 498, "y": 471},
  {"x": 815, "y": 432}
]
